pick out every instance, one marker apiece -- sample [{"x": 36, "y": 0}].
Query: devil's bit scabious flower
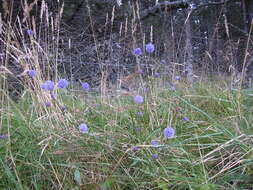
[
  {"x": 154, "y": 142},
  {"x": 32, "y": 73},
  {"x": 169, "y": 132},
  {"x": 138, "y": 99},
  {"x": 156, "y": 74},
  {"x": 48, "y": 104},
  {"x": 138, "y": 51},
  {"x": 154, "y": 156},
  {"x": 63, "y": 83},
  {"x": 83, "y": 128},
  {"x": 186, "y": 118},
  {"x": 150, "y": 48},
  {"x": 135, "y": 149},
  {"x": 177, "y": 77},
  {"x": 85, "y": 86},
  {"x": 140, "y": 113},
  {"x": 29, "y": 32},
  {"x": 48, "y": 85}
]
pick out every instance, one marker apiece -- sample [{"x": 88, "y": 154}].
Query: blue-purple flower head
[
  {"x": 137, "y": 51},
  {"x": 169, "y": 132},
  {"x": 83, "y": 128},
  {"x": 177, "y": 77},
  {"x": 85, "y": 86},
  {"x": 154, "y": 142},
  {"x": 154, "y": 156},
  {"x": 30, "y": 32},
  {"x": 135, "y": 149},
  {"x": 32, "y": 73},
  {"x": 63, "y": 83},
  {"x": 48, "y": 104},
  {"x": 186, "y": 118},
  {"x": 156, "y": 74},
  {"x": 48, "y": 85},
  {"x": 140, "y": 113},
  {"x": 150, "y": 48},
  {"x": 138, "y": 99}
]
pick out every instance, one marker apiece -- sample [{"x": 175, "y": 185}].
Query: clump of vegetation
[{"x": 161, "y": 132}]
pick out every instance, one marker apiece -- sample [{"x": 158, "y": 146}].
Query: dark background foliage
[{"x": 104, "y": 34}]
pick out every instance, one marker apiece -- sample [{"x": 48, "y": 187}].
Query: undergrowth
[{"x": 211, "y": 148}]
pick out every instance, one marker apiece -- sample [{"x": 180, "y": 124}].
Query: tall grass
[{"x": 41, "y": 146}]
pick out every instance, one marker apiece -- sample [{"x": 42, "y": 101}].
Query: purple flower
[
  {"x": 137, "y": 51},
  {"x": 169, "y": 132},
  {"x": 62, "y": 107},
  {"x": 29, "y": 32},
  {"x": 53, "y": 95},
  {"x": 162, "y": 62},
  {"x": 177, "y": 77},
  {"x": 186, "y": 119},
  {"x": 138, "y": 99},
  {"x": 85, "y": 86},
  {"x": 139, "y": 71},
  {"x": 83, "y": 128},
  {"x": 154, "y": 156},
  {"x": 138, "y": 129},
  {"x": 3, "y": 136},
  {"x": 48, "y": 85},
  {"x": 48, "y": 104},
  {"x": 135, "y": 149},
  {"x": 63, "y": 83},
  {"x": 32, "y": 73},
  {"x": 150, "y": 48},
  {"x": 154, "y": 142},
  {"x": 156, "y": 74},
  {"x": 140, "y": 113},
  {"x": 172, "y": 88}
]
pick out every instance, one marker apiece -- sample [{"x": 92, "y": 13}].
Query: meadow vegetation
[{"x": 162, "y": 134}]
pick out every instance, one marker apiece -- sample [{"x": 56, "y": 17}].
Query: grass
[
  {"x": 41, "y": 147},
  {"x": 212, "y": 150}
]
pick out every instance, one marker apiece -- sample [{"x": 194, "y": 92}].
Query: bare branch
[{"x": 176, "y": 5}]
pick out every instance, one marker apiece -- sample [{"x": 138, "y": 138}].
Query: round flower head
[
  {"x": 169, "y": 132},
  {"x": 83, "y": 128},
  {"x": 48, "y": 85},
  {"x": 138, "y": 99},
  {"x": 135, "y": 149},
  {"x": 140, "y": 113},
  {"x": 63, "y": 83},
  {"x": 156, "y": 74},
  {"x": 186, "y": 119},
  {"x": 29, "y": 32},
  {"x": 137, "y": 51},
  {"x": 177, "y": 77},
  {"x": 154, "y": 142},
  {"x": 85, "y": 86},
  {"x": 32, "y": 73},
  {"x": 154, "y": 156},
  {"x": 48, "y": 104},
  {"x": 150, "y": 48}
]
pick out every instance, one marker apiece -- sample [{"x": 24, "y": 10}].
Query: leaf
[
  {"x": 163, "y": 185},
  {"x": 77, "y": 176}
]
